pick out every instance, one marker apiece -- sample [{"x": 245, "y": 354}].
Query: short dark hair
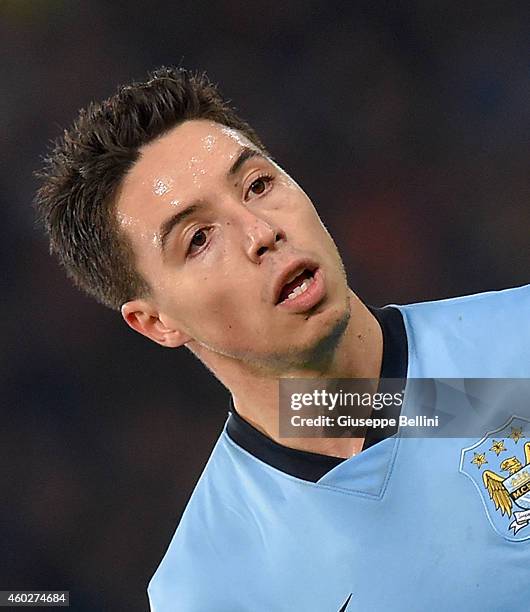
[{"x": 85, "y": 167}]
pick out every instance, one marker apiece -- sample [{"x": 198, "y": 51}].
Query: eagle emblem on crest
[
  {"x": 506, "y": 491},
  {"x": 499, "y": 466}
]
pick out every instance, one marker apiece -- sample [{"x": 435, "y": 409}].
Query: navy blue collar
[{"x": 312, "y": 466}]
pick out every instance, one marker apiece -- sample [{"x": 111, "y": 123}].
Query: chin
[
  {"x": 324, "y": 333},
  {"x": 334, "y": 327},
  {"x": 331, "y": 317}
]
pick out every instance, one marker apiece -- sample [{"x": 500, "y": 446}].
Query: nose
[{"x": 262, "y": 237}]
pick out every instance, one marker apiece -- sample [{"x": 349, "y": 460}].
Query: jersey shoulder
[
  {"x": 475, "y": 336},
  {"x": 196, "y": 573}
]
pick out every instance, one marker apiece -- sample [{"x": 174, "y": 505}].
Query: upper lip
[{"x": 292, "y": 270}]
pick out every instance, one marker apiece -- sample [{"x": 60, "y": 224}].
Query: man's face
[{"x": 219, "y": 232}]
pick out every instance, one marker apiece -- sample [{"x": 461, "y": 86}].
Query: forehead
[
  {"x": 185, "y": 157},
  {"x": 182, "y": 165}
]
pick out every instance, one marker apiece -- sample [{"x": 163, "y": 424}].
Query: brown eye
[
  {"x": 199, "y": 238},
  {"x": 258, "y": 186}
]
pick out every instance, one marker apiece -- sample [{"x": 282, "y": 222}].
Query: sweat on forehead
[
  {"x": 208, "y": 138},
  {"x": 185, "y": 163},
  {"x": 193, "y": 150}
]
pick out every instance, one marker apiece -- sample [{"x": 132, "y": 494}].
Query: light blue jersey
[{"x": 406, "y": 525}]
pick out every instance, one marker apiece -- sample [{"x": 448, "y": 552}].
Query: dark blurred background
[{"x": 406, "y": 122}]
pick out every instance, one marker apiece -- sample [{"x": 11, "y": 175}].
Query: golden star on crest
[
  {"x": 497, "y": 447},
  {"x": 479, "y": 459},
  {"x": 517, "y": 434}
]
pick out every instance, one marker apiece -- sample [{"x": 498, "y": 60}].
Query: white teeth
[
  {"x": 296, "y": 292},
  {"x": 292, "y": 277}
]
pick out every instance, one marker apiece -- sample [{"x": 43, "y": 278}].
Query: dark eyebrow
[
  {"x": 169, "y": 224},
  {"x": 245, "y": 154}
]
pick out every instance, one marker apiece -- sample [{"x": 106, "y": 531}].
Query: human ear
[{"x": 144, "y": 318}]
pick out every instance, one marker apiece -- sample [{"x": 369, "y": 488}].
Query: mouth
[
  {"x": 296, "y": 285},
  {"x": 300, "y": 287}
]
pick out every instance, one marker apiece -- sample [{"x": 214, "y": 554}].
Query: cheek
[
  {"x": 304, "y": 224},
  {"x": 217, "y": 305}
]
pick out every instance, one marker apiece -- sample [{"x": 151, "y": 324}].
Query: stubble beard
[
  {"x": 317, "y": 358},
  {"x": 313, "y": 360}
]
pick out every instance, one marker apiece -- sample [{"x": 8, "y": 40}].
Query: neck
[{"x": 358, "y": 354}]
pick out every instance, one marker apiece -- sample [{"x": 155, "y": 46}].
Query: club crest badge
[{"x": 499, "y": 466}]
